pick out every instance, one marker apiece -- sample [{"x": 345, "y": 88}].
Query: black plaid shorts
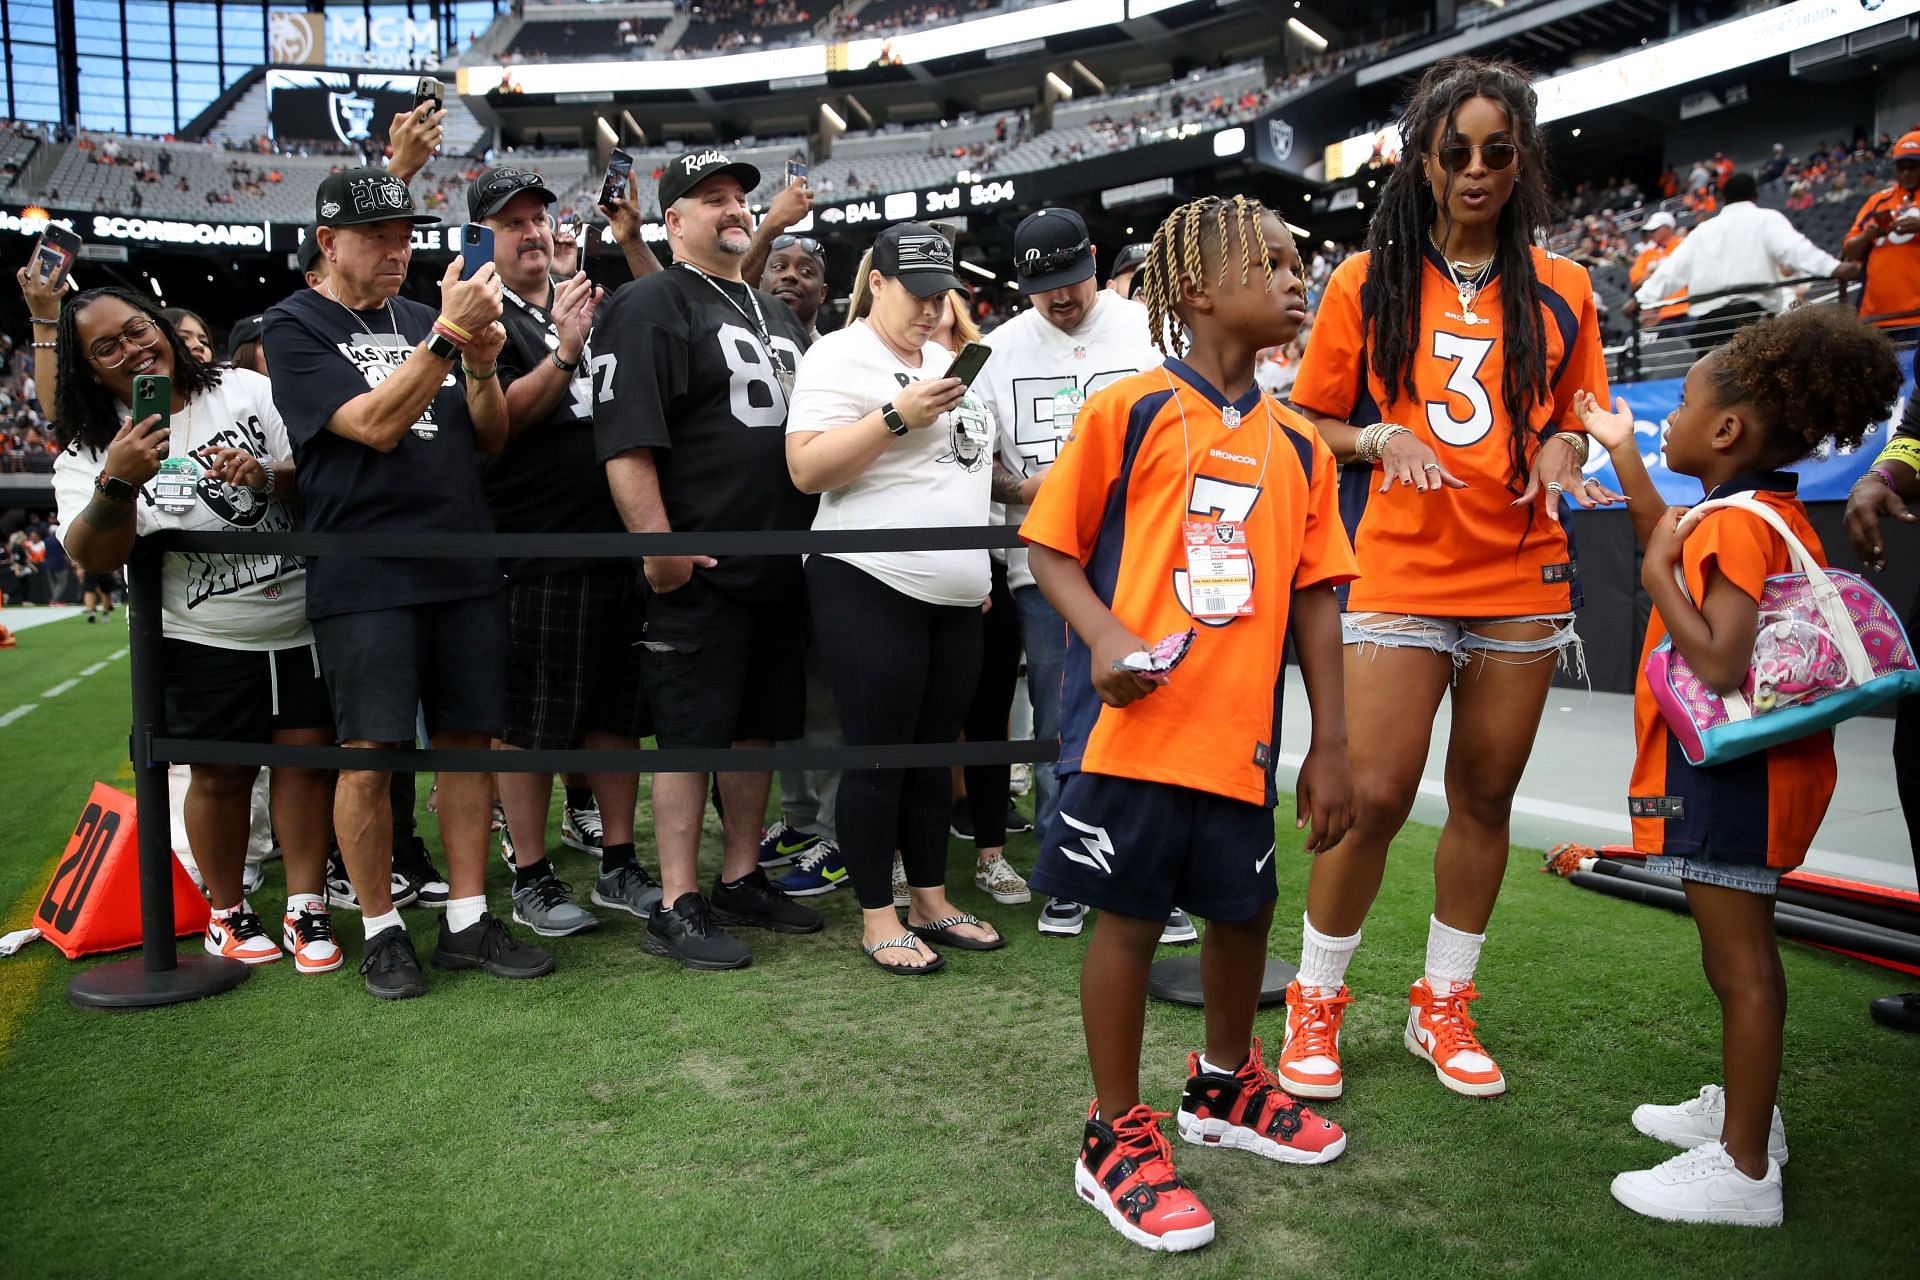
[{"x": 573, "y": 662}]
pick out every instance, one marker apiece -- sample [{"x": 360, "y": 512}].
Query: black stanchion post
[{"x": 159, "y": 976}]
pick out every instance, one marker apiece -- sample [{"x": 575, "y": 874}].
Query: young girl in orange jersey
[
  {"x": 1776, "y": 392},
  {"x": 1187, "y": 501},
  {"x": 1447, "y": 356}
]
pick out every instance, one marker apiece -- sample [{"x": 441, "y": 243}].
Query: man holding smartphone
[
  {"x": 572, "y": 624},
  {"x": 388, "y": 405},
  {"x": 1885, "y": 240},
  {"x": 1073, "y": 339}
]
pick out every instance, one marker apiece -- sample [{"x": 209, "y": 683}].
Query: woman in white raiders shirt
[
  {"x": 890, "y": 443},
  {"x": 238, "y": 656}
]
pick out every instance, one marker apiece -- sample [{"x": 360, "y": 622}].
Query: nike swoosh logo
[
  {"x": 1261, "y": 865},
  {"x": 784, "y": 847}
]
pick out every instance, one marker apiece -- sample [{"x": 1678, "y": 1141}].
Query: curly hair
[
  {"x": 1177, "y": 258},
  {"x": 1812, "y": 375},
  {"x": 84, "y": 410},
  {"x": 1397, "y": 238}
]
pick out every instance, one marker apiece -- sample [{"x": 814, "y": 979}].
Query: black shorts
[
  {"x": 1142, "y": 848},
  {"x": 573, "y": 659},
  {"x": 718, "y": 670},
  {"x": 241, "y": 695},
  {"x": 384, "y": 664}
]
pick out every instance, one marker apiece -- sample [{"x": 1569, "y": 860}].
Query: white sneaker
[
  {"x": 1062, "y": 919},
  {"x": 1001, "y": 882},
  {"x": 239, "y": 935},
  {"x": 1179, "y": 930},
  {"x": 1697, "y": 1121},
  {"x": 1702, "y": 1185},
  {"x": 901, "y": 897}
]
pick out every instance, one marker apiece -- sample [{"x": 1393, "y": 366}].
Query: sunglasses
[
  {"x": 515, "y": 182},
  {"x": 1495, "y": 155},
  {"x": 807, "y": 243},
  {"x": 1045, "y": 264}
]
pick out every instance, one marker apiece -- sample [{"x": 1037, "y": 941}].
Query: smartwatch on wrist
[
  {"x": 891, "y": 416},
  {"x": 439, "y": 344},
  {"x": 114, "y": 489}
]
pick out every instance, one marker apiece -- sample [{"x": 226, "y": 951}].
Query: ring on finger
[
  {"x": 1555, "y": 487},
  {"x": 1429, "y": 466}
]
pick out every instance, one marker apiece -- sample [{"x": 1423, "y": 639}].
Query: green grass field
[{"x": 811, "y": 1116}]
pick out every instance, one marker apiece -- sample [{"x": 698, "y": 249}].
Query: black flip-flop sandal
[
  {"x": 905, "y": 941},
  {"x": 941, "y": 934}
]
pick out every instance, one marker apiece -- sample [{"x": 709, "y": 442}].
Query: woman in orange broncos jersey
[{"x": 1448, "y": 356}]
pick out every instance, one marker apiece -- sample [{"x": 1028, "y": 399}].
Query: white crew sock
[
  {"x": 1216, "y": 1070},
  {"x": 379, "y": 924},
  {"x": 298, "y": 902},
  {"x": 1324, "y": 959},
  {"x": 464, "y": 913},
  {"x": 1452, "y": 956}
]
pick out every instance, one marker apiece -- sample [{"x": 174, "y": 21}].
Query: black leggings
[
  {"x": 987, "y": 718},
  {"x": 901, "y": 671}
]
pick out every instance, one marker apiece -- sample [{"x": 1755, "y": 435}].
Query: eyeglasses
[
  {"x": 136, "y": 337},
  {"x": 1035, "y": 263},
  {"x": 812, "y": 246},
  {"x": 1495, "y": 155}
]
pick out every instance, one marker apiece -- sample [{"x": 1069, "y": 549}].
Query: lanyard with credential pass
[{"x": 1219, "y": 561}]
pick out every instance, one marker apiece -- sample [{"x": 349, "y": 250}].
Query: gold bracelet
[{"x": 1575, "y": 439}]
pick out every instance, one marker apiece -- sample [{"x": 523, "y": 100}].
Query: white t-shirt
[
  {"x": 224, "y": 601},
  {"x": 936, "y": 477},
  {"x": 1038, "y": 377}
]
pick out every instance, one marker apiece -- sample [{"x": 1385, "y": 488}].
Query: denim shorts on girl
[
  {"x": 1460, "y": 641},
  {"x": 1725, "y": 875}
]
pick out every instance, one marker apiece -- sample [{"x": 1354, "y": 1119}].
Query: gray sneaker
[
  {"x": 547, "y": 907},
  {"x": 627, "y": 888},
  {"x": 1179, "y": 931}
]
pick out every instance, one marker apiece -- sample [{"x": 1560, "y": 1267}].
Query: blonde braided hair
[{"x": 1176, "y": 260}]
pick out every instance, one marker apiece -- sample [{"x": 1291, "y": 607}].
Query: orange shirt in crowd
[
  {"x": 1649, "y": 258},
  {"x": 1148, "y": 455},
  {"x": 1761, "y": 809},
  {"x": 1893, "y": 263},
  {"x": 1461, "y": 553}
]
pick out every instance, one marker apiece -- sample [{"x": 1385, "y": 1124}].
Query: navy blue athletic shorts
[{"x": 1142, "y": 848}]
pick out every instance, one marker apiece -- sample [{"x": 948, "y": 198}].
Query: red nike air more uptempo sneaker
[
  {"x": 1125, "y": 1170},
  {"x": 1249, "y": 1112}
]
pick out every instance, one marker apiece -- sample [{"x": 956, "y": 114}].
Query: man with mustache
[
  {"x": 690, "y": 421},
  {"x": 572, "y": 624},
  {"x": 1073, "y": 339}
]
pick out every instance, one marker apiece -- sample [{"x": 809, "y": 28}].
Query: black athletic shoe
[
  {"x": 413, "y": 864},
  {"x": 961, "y": 824},
  {"x": 755, "y": 904},
  {"x": 686, "y": 932},
  {"x": 487, "y": 944},
  {"x": 391, "y": 969},
  {"x": 1017, "y": 822},
  {"x": 1901, "y": 1012}
]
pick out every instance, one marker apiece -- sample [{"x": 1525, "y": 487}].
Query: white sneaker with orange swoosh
[{"x": 1440, "y": 1029}]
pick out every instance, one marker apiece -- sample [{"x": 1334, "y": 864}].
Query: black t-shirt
[
  {"x": 690, "y": 379},
  {"x": 322, "y": 355},
  {"x": 549, "y": 479}
]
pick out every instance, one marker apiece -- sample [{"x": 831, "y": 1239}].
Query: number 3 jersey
[
  {"x": 1147, "y": 457},
  {"x": 1461, "y": 553},
  {"x": 689, "y": 376}
]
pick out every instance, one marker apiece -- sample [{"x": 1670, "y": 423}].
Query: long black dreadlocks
[{"x": 1396, "y": 239}]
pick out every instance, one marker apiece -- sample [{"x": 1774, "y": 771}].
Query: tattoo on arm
[
  {"x": 105, "y": 515},
  {"x": 1006, "y": 485}
]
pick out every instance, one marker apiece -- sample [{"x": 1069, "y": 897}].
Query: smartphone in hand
[
  {"x": 476, "y": 248},
  {"x": 54, "y": 254},
  {"x": 619, "y": 169},
  {"x": 153, "y": 393},
  {"x": 967, "y": 365},
  {"x": 430, "y": 89},
  {"x": 796, "y": 172}
]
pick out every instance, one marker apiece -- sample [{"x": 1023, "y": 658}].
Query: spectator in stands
[
  {"x": 1885, "y": 242},
  {"x": 1663, "y": 237},
  {"x": 1744, "y": 245},
  {"x": 1125, "y": 264},
  {"x": 572, "y": 625},
  {"x": 1073, "y": 339},
  {"x": 244, "y": 348},
  {"x": 388, "y": 406},
  {"x": 796, "y": 273},
  {"x": 1775, "y": 165},
  {"x": 1465, "y": 567},
  {"x": 193, "y": 332},
  {"x": 239, "y": 656},
  {"x": 699, "y": 371},
  {"x": 890, "y": 443}
]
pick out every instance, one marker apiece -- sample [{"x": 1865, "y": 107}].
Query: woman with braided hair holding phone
[{"x": 1447, "y": 356}]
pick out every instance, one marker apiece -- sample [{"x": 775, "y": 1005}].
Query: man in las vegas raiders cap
[{"x": 690, "y": 421}]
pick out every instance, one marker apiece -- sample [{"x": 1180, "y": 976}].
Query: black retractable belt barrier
[{"x": 162, "y": 977}]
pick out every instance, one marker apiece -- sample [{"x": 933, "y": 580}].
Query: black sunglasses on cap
[
  {"x": 812, "y": 246},
  {"x": 513, "y": 182},
  {"x": 1495, "y": 155},
  {"x": 1045, "y": 264}
]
